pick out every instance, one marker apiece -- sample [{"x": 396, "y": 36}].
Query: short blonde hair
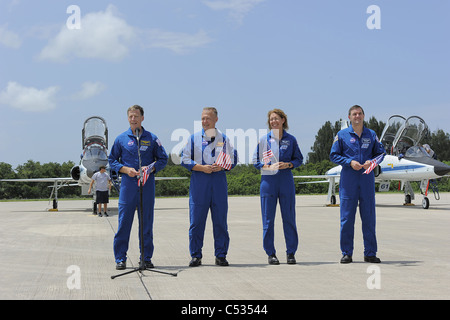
[
  {"x": 282, "y": 116},
  {"x": 214, "y": 110},
  {"x": 136, "y": 107}
]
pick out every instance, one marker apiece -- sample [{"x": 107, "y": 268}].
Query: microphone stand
[{"x": 141, "y": 223}]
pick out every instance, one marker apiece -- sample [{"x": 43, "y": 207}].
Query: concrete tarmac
[{"x": 69, "y": 254}]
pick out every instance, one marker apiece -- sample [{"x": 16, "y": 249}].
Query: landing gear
[
  {"x": 333, "y": 200},
  {"x": 425, "y": 203},
  {"x": 407, "y": 199},
  {"x": 332, "y": 193},
  {"x": 57, "y": 184}
]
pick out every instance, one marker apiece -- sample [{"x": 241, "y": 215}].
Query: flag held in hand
[
  {"x": 224, "y": 159},
  {"x": 267, "y": 155},
  {"x": 374, "y": 162},
  {"x": 146, "y": 171}
]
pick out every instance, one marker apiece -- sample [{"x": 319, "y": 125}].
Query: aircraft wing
[
  {"x": 39, "y": 180},
  {"x": 326, "y": 176},
  {"x": 72, "y": 180},
  {"x": 159, "y": 178},
  {"x": 312, "y": 182}
]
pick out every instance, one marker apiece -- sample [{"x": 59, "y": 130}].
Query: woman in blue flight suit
[
  {"x": 124, "y": 159},
  {"x": 353, "y": 148},
  {"x": 208, "y": 187},
  {"x": 276, "y": 154}
]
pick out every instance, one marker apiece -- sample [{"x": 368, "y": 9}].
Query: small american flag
[
  {"x": 267, "y": 155},
  {"x": 224, "y": 160},
  {"x": 374, "y": 163},
  {"x": 146, "y": 171}
]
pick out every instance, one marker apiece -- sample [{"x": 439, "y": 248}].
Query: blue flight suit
[
  {"x": 125, "y": 153},
  {"x": 208, "y": 191},
  {"x": 356, "y": 186},
  {"x": 278, "y": 186}
]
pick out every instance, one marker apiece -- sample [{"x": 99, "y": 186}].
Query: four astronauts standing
[{"x": 209, "y": 154}]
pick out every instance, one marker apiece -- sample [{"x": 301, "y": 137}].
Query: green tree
[
  {"x": 244, "y": 179},
  {"x": 375, "y": 125},
  {"x": 439, "y": 141},
  {"x": 324, "y": 141},
  {"x": 7, "y": 190}
]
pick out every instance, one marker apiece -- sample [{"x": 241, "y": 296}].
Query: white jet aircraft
[
  {"x": 95, "y": 154},
  {"x": 406, "y": 160}
]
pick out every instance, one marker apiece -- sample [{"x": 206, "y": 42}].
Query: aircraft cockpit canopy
[
  {"x": 402, "y": 134},
  {"x": 95, "y": 131},
  {"x": 390, "y": 132},
  {"x": 410, "y": 134},
  {"x": 417, "y": 152}
]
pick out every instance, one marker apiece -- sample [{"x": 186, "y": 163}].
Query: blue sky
[{"x": 313, "y": 59}]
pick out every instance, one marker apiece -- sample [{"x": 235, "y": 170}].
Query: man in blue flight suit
[
  {"x": 124, "y": 159},
  {"x": 208, "y": 187},
  {"x": 353, "y": 148}
]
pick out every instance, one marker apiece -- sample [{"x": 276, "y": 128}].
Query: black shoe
[
  {"x": 291, "y": 259},
  {"x": 346, "y": 259},
  {"x": 273, "y": 259},
  {"x": 148, "y": 265},
  {"x": 372, "y": 259},
  {"x": 106, "y": 214},
  {"x": 195, "y": 262},
  {"x": 221, "y": 261},
  {"x": 121, "y": 265},
  {"x": 99, "y": 214}
]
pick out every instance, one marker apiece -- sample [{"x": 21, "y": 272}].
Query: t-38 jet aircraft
[
  {"x": 94, "y": 155},
  {"x": 406, "y": 160}
]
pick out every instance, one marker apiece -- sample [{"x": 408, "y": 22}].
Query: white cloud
[
  {"x": 89, "y": 89},
  {"x": 177, "y": 42},
  {"x": 9, "y": 39},
  {"x": 29, "y": 98},
  {"x": 103, "y": 35},
  {"x": 238, "y": 8}
]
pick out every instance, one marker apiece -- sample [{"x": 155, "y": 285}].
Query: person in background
[{"x": 102, "y": 187}]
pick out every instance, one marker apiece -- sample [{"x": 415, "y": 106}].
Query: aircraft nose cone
[{"x": 441, "y": 169}]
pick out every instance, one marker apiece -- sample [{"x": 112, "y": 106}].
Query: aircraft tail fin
[{"x": 344, "y": 124}]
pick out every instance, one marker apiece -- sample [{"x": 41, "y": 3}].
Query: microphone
[{"x": 137, "y": 133}]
